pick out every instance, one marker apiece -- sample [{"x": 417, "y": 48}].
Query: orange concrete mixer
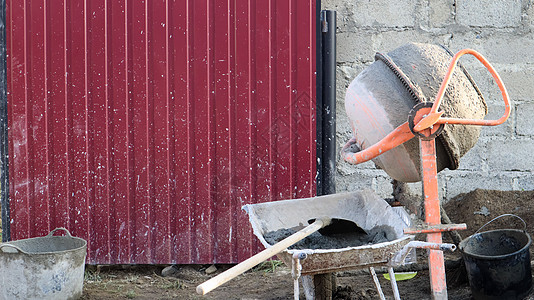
[
  {"x": 380, "y": 98},
  {"x": 396, "y": 99}
]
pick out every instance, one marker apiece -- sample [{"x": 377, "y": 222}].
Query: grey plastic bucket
[
  {"x": 48, "y": 267},
  {"x": 498, "y": 264}
]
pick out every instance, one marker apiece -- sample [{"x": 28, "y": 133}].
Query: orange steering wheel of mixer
[{"x": 424, "y": 118}]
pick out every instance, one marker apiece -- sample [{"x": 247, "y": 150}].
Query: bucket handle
[
  {"x": 504, "y": 215},
  {"x": 59, "y": 228},
  {"x": 12, "y": 246}
]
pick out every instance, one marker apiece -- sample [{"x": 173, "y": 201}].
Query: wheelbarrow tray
[{"x": 364, "y": 208}]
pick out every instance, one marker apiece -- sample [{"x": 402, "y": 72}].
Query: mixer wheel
[{"x": 325, "y": 286}]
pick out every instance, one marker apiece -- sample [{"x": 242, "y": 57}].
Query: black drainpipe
[
  {"x": 4, "y": 158},
  {"x": 326, "y": 103}
]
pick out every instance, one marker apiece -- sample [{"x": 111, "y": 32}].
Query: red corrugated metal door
[{"x": 144, "y": 126}]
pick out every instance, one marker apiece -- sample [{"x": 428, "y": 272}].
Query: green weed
[
  {"x": 131, "y": 294},
  {"x": 92, "y": 275},
  {"x": 174, "y": 285},
  {"x": 268, "y": 266}
]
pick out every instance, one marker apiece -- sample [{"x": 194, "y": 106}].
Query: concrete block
[
  {"x": 495, "y": 111},
  {"x": 463, "y": 39},
  {"x": 518, "y": 80},
  {"x": 441, "y": 13},
  {"x": 345, "y": 74},
  {"x": 523, "y": 181},
  {"x": 355, "y": 47},
  {"x": 416, "y": 188},
  {"x": 499, "y": 47},
  {"x": 384, "y": 13},
  {"x": 389, "y": 40},
  {"x": 342, "y": 123},
  {"x": 377, "y": 180},
  {"x": 511, "y": 155},
  {"x": 474, "y": 159},
  {"x": 343, "y": 130},
  {"x": 524, "y": 119},
  {"x": 517, "y": 77},
  {"x": 383, "y": 187},
  {"x": 529, "y": 16},
  {"x": 483, "y": 79},
  {"x": 506, "y": 48},
  {"x": 345, "y": 13},
  {"x": 483, "y": 13},
  {"x": 344, "y": 185},
  {"x": 349, "y": 71},
  {"x": 342, "y": 83},
  {"x": 458, "y": 182}
]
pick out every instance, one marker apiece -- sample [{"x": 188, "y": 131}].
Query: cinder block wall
[{"x": 502, "y": 31}]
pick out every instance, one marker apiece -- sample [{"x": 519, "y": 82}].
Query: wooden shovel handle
[{"x": 251, "y": 262}]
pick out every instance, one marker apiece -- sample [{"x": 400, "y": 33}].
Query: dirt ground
[
  {"x": 273, "y": 280},
  {"x": 144, "y": 282}
]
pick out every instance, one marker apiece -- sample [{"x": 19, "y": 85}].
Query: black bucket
[{"x": 498, "y": 264}]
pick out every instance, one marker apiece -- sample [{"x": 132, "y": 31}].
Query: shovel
[{"x": 251, "y": 262}]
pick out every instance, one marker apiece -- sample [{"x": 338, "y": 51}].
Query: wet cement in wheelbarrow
[{"x": 317, "y": 240}]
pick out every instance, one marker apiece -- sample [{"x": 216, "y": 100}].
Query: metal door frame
[{"x": 4, "y": 157}]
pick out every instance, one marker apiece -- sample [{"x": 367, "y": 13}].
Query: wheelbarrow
[{"x": 364, "y": 208}]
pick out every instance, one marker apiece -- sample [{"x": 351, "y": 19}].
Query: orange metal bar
[
  {"x": 397, "y": 137},
  {"x": 436, "y": 261},
  {"x": 428, "y": 121}
]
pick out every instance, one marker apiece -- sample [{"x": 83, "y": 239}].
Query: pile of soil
[
  {"x": 317, "y": 240},
  {"x": 478, "y": 207}
]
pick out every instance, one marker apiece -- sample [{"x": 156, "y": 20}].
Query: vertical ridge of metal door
[{"x": 143, "y": 127}]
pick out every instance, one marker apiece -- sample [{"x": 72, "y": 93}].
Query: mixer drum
[{"x": 380, "y": 98}]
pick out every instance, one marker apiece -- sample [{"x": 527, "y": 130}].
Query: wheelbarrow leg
[
  {"x": 377, "y": 283},
  {"x": 393, "y": 281},
  {"x": 296, "y": 269},
  {"x": 307, "y": 286}
]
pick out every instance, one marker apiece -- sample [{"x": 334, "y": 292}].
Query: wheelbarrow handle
[
  {"x": 251, "y": 262},
  {"x": 424, "y": 123}
]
